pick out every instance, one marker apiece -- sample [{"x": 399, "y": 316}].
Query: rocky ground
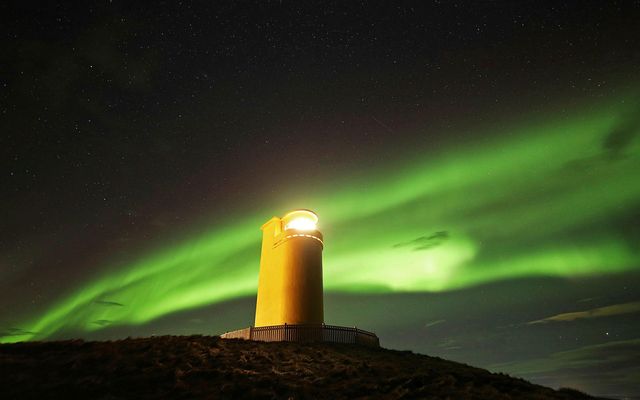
[{"x": 195, "y": 367}]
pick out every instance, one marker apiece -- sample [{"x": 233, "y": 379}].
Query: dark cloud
[
  {"x": 631, "y": 228},
  {"x": 615, "y": 145},
  {"x": 108, "y": 303},
  {"x": 616, "y": 309},
  {"x": 17, "y": 332},
  {"x": 621, "y": 137},
  {"x": 426, "y": 242}
]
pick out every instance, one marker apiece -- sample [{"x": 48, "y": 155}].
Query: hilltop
[{"x": 174, "y": 367}]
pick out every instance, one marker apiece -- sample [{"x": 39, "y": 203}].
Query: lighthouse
[
  {"x": 290, "y": 280},
  {"x": 289, "y": 304}
]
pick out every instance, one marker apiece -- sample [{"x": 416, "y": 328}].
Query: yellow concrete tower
[
  {"x": 290, "y": 280},
  {"x": 289, "y": 307}
]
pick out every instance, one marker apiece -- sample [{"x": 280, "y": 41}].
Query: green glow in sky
[{"x": 539, "y": 200}]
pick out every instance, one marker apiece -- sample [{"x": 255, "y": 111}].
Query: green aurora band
[{"x": 510, "y": 203}]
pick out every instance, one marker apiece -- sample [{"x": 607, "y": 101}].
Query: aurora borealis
[
  {"x": 481, "y": 226},
  {"x": 411, "y": 206}
]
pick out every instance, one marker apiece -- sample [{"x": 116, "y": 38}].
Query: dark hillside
[{"x": 207, "y": 367}]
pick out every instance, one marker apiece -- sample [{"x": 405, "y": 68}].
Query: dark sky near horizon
[{"x": 475, "y": 165}]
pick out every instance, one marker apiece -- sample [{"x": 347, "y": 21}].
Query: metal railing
[{"x": 305, "y": 333}]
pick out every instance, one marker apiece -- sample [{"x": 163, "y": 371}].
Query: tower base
[{"x": 305, "y": 333}]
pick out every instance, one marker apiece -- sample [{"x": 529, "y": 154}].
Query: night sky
[{"x": 475, "y": 167}]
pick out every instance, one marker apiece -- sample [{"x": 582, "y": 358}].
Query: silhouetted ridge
[{"x": 175, "y": 367}]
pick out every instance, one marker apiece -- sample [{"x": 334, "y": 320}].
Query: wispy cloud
[
  {"x": 589, "y": 299},
  {"x": 616, "y": 309},
  {"x": 449, "y": 344},
  {"x": 433, "y": 323}
]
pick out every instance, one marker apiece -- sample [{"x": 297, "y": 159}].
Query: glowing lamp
[{"x": 301, "y": 220}]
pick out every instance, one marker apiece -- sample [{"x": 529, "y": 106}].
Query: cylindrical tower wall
[{"x": 301, "y": 263}]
